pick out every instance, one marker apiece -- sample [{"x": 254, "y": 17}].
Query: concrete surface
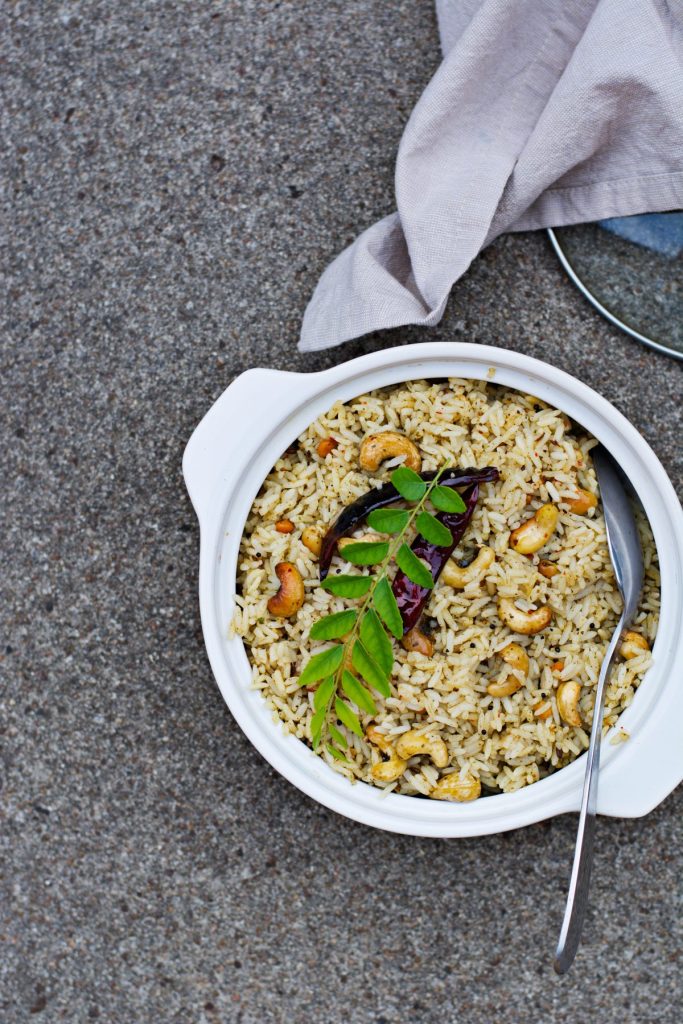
[{"x": 177, "y": 175}]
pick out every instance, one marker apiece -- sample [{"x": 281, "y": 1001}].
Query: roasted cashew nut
[
  {"x": 452, "y": 787},
  {"x": 526, "y": 623},
  {"x": 632, "y": 644},
  {"x": 312, "y": 538},
  {"x": 290, "y": 596},
  {"x": 413, "y": 742},
  {"x": 455, "y": 575},
  {"x": 516, "y": 657},
  {"x": 568, "y": 702},
  {"x": 535, "y": 532},
  {"x": 394, "y": 767},
  {"x": 547, "y": 569},
  {"x": 376, "y": 448},
  {"x": 414, "y": 640},
  {"x": 582, "y": 502},
  {"x": 504, "y": 687}
]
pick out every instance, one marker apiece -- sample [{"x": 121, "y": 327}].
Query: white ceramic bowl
[{"x": 226, "y": 460}]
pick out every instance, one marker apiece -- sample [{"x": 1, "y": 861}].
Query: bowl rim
[{"x": 223, "y": 480}]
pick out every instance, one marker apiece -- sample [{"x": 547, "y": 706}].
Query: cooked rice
[{"x": 541, "y": 456}]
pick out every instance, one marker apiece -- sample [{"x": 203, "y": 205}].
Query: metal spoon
[{"x": 627, "y": 558}]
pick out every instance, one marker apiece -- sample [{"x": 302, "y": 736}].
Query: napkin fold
[{"x": 542, "y": 113}]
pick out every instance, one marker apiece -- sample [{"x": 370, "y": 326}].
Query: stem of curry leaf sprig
[
  {"x": 353, "y": 636},
  {"x": 398, "y": 541}
]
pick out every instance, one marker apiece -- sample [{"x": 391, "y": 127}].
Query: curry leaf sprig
[{"x": 347, "y": 672}]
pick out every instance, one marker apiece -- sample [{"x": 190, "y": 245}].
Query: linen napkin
[{"x": 542, "y": 113}]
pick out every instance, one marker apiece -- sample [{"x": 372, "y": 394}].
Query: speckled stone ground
[{"x": 177, "y": 177}]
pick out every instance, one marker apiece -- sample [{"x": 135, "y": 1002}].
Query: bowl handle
[
  {"x": 633, "y": 786},
  {"x": 209, "y": 461}
]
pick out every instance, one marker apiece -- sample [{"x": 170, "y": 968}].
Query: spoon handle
[{"x": 577, "y": 897}]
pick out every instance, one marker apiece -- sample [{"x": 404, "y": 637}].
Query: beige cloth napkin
[{"x": 543, "y": 112}]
